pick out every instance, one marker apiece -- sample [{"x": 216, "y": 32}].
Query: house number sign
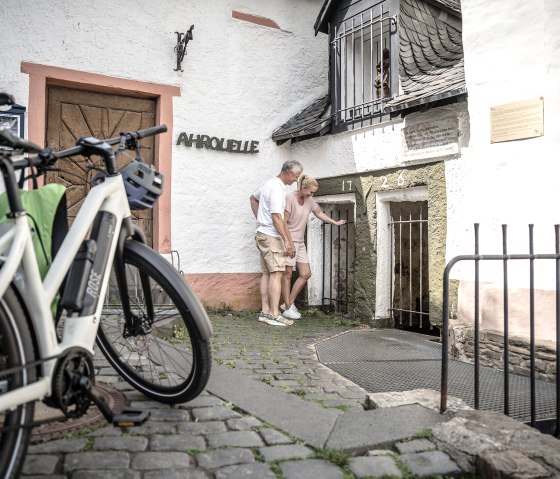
[
  {"x": 386, "y": 182},
  {"x": 218, "y": 144}
]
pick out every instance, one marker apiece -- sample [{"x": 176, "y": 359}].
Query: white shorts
[{"x": 301, "y": 255}]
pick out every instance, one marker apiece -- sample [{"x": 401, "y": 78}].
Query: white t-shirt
[{"x": 272, "y": 199}]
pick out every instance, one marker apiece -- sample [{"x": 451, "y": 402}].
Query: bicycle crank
[
  {"x": 74, "y": 390},
  {"x": 67, "y": 393}
]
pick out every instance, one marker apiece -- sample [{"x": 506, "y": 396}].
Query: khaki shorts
[
  {"x": 273, "y": 253},
  {"x": 301, "y": 255}
]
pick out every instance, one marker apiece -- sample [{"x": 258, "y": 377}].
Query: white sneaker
[
  {"x": 268, "y": 319},
  {"x": 283, "y": 306},
  {"x": 281, "y": 319},
  {"x": 292, "y": 312}
]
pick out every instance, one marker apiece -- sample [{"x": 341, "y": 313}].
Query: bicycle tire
[
  {"x": 170, "y": 361},
  {"x": 16, "y": 349}
]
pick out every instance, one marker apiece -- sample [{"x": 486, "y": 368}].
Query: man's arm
[
  {"x": 284, "y": 233},
  {"x": 288, "y": 234},
  {"x": 254, "y": 205}
]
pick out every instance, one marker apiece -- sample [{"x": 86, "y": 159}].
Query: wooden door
[{"x": 74, "y": 113}]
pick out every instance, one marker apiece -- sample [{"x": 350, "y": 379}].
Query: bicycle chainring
[{"x": 67, "y": 394}]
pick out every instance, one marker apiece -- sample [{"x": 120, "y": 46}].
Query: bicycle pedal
[{"x": 130, "y": 418}]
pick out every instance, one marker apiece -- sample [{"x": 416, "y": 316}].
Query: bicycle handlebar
[
  {"x": 47, "y": 156},
  {"x": 7, "y": 139}
]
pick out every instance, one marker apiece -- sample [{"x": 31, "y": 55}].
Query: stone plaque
[
  {"x": 517, "y": 121},
  {"x": 431, "y": 139}
]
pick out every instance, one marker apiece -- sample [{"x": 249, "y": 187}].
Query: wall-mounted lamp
[{"x": 181, "y": 47}]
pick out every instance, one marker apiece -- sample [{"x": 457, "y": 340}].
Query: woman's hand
[{"x": 339, "y": 222}]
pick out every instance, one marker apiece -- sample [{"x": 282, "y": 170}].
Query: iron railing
[
  {"x": 358, "y": 46},
  {"x": 406, "y": 230},
  {"x": 505, "y": 258},
  {"x": 337, "y": 264}
]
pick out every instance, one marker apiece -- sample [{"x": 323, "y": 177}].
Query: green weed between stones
[
  {"x": 179, "y": 335},
  {"x": 347, "y": 323},
  {"x": 298, "y": 392},
  {"x": 336, "y": 457},
  {"x": 340, "y": 407},
  {"x": 81, "y": 433},
  {"x": 406, "y": 473},
  {"x": 425, "y": 433},
  {"x": 275, "y": 468}
]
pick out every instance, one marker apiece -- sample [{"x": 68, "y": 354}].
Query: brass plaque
[{"x": 517, "y": 121}]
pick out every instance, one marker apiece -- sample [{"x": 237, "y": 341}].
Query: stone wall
[
  {"x": 366, "y": 187},
  {"x": 492, "y": 351}
]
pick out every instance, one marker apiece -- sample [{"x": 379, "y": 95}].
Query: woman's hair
[{"x": 306, "y": 181}]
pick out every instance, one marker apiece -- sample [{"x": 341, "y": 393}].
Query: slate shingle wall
[{"x": 430, "y": 55}]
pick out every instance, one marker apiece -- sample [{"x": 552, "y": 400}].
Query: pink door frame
[{"x": 41, "y": 76}]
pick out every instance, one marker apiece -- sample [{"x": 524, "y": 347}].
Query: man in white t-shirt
[{"x": 273, "y": 239}]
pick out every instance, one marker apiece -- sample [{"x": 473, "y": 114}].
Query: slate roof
[
  {"x": 431, "y": 65},
  {"x": 310, "y": 121},
  {"x": 453, "y": 6},
  {"x": 328, "y": 8}
]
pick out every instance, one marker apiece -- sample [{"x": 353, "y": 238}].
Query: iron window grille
[{"x": 364, "y": 56}]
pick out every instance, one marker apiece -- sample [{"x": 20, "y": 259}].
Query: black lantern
[{"x": 181, "y": 47}]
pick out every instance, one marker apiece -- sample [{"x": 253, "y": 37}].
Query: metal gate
[
  {"x": 544, "y": 402},
  {"x": 338, "y": 260},
  {"x": 409, "y": 274}
]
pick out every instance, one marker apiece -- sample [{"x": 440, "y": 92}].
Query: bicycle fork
[{"x": 134, "y": 324}]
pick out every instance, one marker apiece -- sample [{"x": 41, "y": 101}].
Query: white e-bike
[{"x": 110, "y": 288}]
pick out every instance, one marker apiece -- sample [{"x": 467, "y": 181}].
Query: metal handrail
[{"x": 445, "y": 321}]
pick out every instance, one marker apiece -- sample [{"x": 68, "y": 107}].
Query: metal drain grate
[
  {"x": 392, "y": 360},
  {"x": 382, "y": 345}
]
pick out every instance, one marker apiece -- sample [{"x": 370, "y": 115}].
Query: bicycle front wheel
[
  {"x": 159, "y": 350},
  {"x": 16, "y": 350}
]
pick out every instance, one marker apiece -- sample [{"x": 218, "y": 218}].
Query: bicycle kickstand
[{"x": 128, "y": 417}]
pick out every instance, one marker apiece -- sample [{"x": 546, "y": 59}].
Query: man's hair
[{"x": 291, "y": 165}]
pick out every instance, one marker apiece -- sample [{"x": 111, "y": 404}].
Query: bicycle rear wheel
[
  {"x": 16, "y": 349},
  {"x": 161, "y": 352}
]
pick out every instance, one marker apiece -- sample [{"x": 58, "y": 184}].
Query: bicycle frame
[{"x": 16, "y": 249}]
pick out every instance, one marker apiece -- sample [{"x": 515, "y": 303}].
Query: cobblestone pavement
[
  {"x": 285, "y": 357},
  {"x": 212, "y": 439}
]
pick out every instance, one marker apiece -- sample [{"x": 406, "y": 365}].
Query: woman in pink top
[{"x": 299, "y": 204}]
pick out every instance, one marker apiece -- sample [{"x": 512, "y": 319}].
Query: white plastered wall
[
  {"x": 241, "y": 80},
  {"x": 513, "y": 183}
]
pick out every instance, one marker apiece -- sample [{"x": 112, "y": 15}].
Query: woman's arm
[{"x": 327, "y": 219}]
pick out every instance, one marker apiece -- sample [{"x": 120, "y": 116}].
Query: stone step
[
  {"x": 359, "y": 432},
  {"x": 354, "y": 432}
]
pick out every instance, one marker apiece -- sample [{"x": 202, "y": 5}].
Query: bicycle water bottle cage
[{"x": 143, "y": 185}]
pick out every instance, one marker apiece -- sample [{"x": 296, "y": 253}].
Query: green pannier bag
[{"x": 46, "y": 211}]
